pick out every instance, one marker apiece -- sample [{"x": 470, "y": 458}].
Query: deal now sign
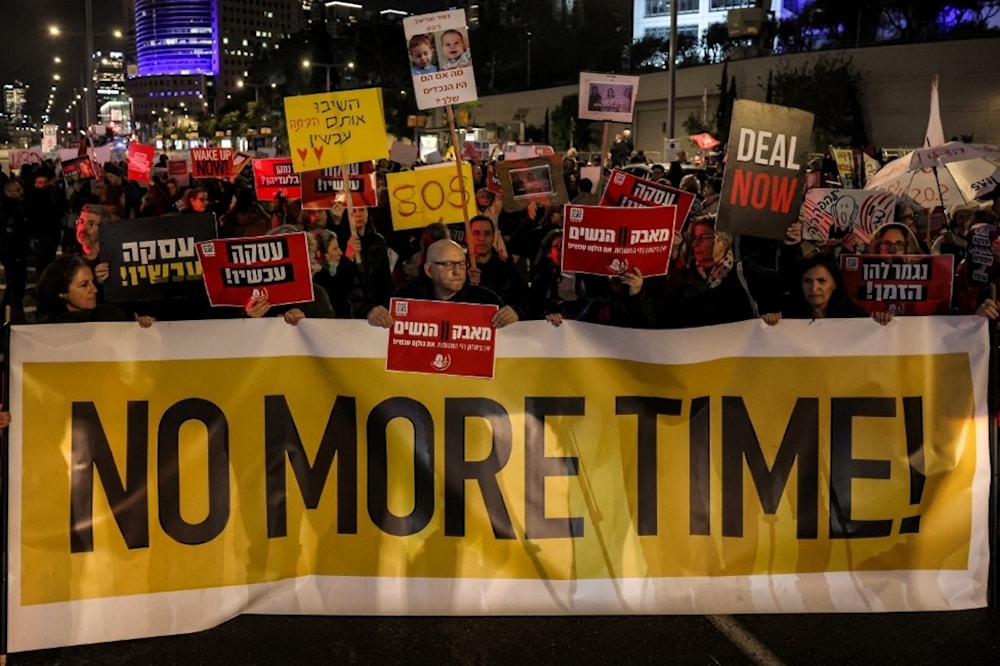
[{"x": 764, "y": 185}]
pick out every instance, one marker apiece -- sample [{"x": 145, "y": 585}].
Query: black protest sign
[
  {"x": 154, "y": 258},
  {"x": 765, "y": 169}
]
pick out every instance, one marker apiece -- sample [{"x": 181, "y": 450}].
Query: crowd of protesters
[{"x": 513, "y": 260}]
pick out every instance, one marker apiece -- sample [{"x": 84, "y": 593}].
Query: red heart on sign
[
  {"x": 303, "y": 152},
  {"x": 319, "y": 153}
]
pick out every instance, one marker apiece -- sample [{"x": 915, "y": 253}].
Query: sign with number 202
[{"x": 430, "y": 194}]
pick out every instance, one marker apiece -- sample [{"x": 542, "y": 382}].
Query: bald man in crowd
[{"x": 446, "y": 269}]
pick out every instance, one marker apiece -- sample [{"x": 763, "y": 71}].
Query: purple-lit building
[{"x": 190, "y": 55}]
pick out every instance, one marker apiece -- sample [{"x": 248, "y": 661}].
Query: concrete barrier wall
[{"x": 896, "y": 95}]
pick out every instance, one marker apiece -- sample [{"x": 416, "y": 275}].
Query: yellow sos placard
[
  {"x": 334, "y": 128},
  {"x": 431, "y": 194}
]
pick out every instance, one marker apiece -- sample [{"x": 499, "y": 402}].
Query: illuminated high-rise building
[
  {"x": 14, "y": 98},
  {"x": 192, "y": 54}
]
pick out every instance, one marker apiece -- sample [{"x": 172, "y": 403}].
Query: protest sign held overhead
[
  {"x": 237, "y": 269},
  {"x": 901, "y": 284},
  {"x": 324, "y": 188},
  {"x": 178, "y": 171},
  {"x": 441, "y": 338},
  {"x": 607, "y": 97},
  {"x": 612, "y": 241},
  {"x": 430, "y": 194},
  {"x": 333, "y": 128},
  {"x": 539, "y": 180},
  {"x": 765, "y": 170},
  {"x": 980, "y": 264},
  {"x": 847, "y": 217},
  {"x": 18, "y": 158},
  {"x": 212, "y": 162},
  {"x": 275, "y": 175},
  {"x": 627, "y": 191},
  {"x": 440, "y": 59},
  {"x": 140, "y": 161},
  {"x": 78, "y": 169},
  {"x": 155, "y": 258}
]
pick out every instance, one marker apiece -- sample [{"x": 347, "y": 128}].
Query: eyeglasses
[
  {"x": 892, "y": 245},
  {"x": 704, "y": 237},
  {"x": 201, "y": 198},
  {"x": 450, "y": 265}
]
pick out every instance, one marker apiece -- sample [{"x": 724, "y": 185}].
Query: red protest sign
[
  {"x": 441, "y": 338},
  {"x": 212, "y": 162},
  {"x": 79, "y": 169},
  {"x": 140, "y": 161},
  {"x": 915, "y": 284},
  {"x": 324, "y": 188},
  {"x": 274, "y": 175},
  {"x": 627, "y": 191},
  {"x": 235, "y": 269},
  {"x": 178, "y": 171},
  {"x": 611, "y": 241}
]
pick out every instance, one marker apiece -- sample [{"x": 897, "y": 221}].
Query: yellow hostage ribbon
[{"x": 143, "y": 476}]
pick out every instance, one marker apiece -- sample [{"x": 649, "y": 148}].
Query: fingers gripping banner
[{"x": 164, "y": 480}]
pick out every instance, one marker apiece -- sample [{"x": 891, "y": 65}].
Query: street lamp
[
  {"x": 308, "y": 64},
  {"x": 56, "y": 31}
]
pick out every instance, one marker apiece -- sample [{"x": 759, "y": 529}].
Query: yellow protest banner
[
  {"x": 334, "y": 128},
  {"x": 607, "y": 470},
  {"x": 430, "y": 194},
  {"x": 844, "y": 157}
]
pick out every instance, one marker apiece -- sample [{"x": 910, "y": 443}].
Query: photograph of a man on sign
[{"x": 607, "y": 97}]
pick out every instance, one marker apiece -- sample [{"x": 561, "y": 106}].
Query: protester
[
  {"x": 15, "y": 240},
  {"x": 259, "y": 305},
  {"x": 88, "y": 226},
  {"x": 715, "y": 288},
  {"x": 67, "y": 293},
  {"x": 446, "y": 269},
  {"x": 822, "y": 294},
  {"x": 894, "y": 238}
]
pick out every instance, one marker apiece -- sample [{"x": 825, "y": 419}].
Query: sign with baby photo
[{"x": 440, "y": 58}]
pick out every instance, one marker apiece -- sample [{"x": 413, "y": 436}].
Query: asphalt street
[{"x": 961, "y": 637}]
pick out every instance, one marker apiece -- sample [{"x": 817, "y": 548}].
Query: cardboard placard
[
  {"x": 274, "y": 175},
  {"x": 847, "y": 217},
  {"x": 441, "y": 338},
  {"x": 627, "y": 191},
  {"x": 430, "y": 194},
  {"x": 212, "y": 162},
  {"x": 324, "y": 188},
  {"x": 237, "y": 269},
  {"x": 154, "y": 258},
  {"x": 440, "y": 59},
  {"x": 914, "y": 284},
  {"x": 608, "y": 97},
  {"x": 539, "y": 180},
  {"x": 140, "y": 161},
  {"x": 612, "y": 241}
]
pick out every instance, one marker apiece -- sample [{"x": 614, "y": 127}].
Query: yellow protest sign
[
  {"x": 430, "y": 194},
  {"x": 334, "y": 128}
]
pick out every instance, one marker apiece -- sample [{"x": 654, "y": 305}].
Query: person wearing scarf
[{"x": 714, "y": 288}]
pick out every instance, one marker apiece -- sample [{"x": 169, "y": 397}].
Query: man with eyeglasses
[{"x": 446, "y": 269}]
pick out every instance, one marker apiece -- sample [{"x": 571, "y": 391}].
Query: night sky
[{"x": 27, "y": 50}]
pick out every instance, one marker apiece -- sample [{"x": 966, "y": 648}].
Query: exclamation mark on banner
[
  {"x": 913, "y": 423},
  {"x": 869, "y": 291}
]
